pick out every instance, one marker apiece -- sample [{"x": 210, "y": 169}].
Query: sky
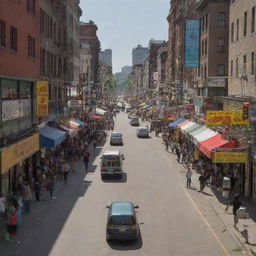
[{"x": 123, "y": 24}]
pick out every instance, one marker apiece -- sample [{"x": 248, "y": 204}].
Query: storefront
[{"x": 19, "y": 162}]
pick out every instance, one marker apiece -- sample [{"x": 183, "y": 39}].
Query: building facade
[
  {"x": 106, "y": 57},
  {"x": 138, "y": 54}
]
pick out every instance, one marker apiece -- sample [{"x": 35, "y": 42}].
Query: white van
[{"x": 111, "y": 163}]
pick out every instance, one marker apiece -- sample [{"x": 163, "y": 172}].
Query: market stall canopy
[
  {"x": 198, "y": 131},
  {"x": 187, "y": 126},
  {"x": 191, "y": 128},
  {"x": 172, "y": 118},
  {"x": 72, "y": 132},
  {"x": 183, "y": 123},
  {"x": 100, "y": 111},
  {"x": 216, "y": 141},
  {"x": 75, "y": 123},
  {"x": 174, "y": 124},
  {"x": 96, "y": 117},
  {"x": 51, "y": 137},
  {"x": 205, "y": 135}
]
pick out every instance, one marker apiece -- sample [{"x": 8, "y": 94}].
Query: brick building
[
  {"x": 19, "y": 71},
  {"x": 88, "y": 35}
]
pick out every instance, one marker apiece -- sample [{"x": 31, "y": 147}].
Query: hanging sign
[
  {"x": 42, "y": 98},
  {"x": 230, "y": 157}
]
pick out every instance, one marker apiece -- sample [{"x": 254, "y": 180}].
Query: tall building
[
  {"x": 139, "y": 54},
  {"x": 214, "y": 16},
  {"x": 106, "y": 57},
  {"x": 88, "y": 35},
  {"x": 121, "y": 77},
  {"x": 19, "y": 72}
]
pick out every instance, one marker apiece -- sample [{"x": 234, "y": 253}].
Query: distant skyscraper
[
  {"x": 126, "y": 69},
  {"x": 106, "y": 57},
  {"x": 139, "y": 54}
]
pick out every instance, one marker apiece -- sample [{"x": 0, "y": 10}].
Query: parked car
[
  {"x": 135, "y": 121},
  {"x": 142, "y": 132},
  {"x": 116, "y": 138},
  {"x": 130, "y": 115},
  {"x": 111, "y": 163},
  {"x": 122, "y": 222}
]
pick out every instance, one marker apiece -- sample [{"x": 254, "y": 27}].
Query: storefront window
[
  {"x": 25, "y": 90},
  {"x": 9, "y": 89}
]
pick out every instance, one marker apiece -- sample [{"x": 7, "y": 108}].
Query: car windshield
[
  {"x": 135, "y": 119},
  {"x": 143, "y": 130},
  {"x": 111, "y": 163},
  {"x": 122, "y": 220},
  {"x": 116, "y": 135}
]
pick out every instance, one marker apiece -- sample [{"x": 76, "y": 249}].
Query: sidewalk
[
  {"x": 37, "y": 211},
  {"x": 218, "y": 203}
]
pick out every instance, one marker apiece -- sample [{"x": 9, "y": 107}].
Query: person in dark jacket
[
  {"x": 37, "y": 189},
  {"x": 236, "y": 205},
  {"x": 177, "y": 151}
]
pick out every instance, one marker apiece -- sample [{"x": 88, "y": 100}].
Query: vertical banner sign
[
  {"x": 42, "y": 98},
  {"x": 192, "y": 42}
]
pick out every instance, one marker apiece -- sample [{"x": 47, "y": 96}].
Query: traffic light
[{"x": 245, "y": 110}]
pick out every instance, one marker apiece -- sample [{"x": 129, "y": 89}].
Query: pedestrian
[
  {"x": 50, "y": 186},
  {"x": 202, "y": 181},
  {"x": 37, "y": 190},
  {"x": 12, "y": 224},
  {"x": 177, "y": 151},
  {"x": 189, "y": 176},
  {"x": 94, "y": 145},
  {"x": 86, "y": 160},
  {"x": 236, "y": 205},
  {"x": 65, "y": 171},
  {"x": 2, "y": 204},
  {"x": 26, "y": 197},
  {"x": 166, "y": 144}
]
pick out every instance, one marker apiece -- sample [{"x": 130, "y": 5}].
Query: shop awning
[
  {"x": 100, "y": 111},
  {"x": 183, "y": 123},
  {"x": 193, "y": 129},
  {"x": 75, "y": 123},
  {"x": 51, "y": 137},
  {"x": 172, "y": 118},
  {"x": 72, "y": 132},
  {"x": 205, "y": 135},
  {"x": 187, "y": 126},
  {"x": 216, "y": 141},
  {"x": 174, "y": 124},
  {"x": 198, "y": 131}
]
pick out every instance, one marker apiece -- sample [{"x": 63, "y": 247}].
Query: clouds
[{"x": 125, "y": 23}]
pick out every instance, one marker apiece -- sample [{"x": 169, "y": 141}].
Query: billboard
[{"x": 192, "y": 42}]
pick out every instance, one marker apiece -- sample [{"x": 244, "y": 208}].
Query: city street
[{"x": 173, "y": 220}]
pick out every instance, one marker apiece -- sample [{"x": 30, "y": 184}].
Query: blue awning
[
  {"x": 175, "y": 123},
  {"x": 51, "y": 137}
]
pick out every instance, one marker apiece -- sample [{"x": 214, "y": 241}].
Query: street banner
[
  {"x": 220, "y": 118},
  {"x": 42, "y": 98},
  {"x": 230, "y": 157},
  {"x": 192, "y": 40}
]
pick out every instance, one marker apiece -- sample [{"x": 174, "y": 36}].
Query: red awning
[
  {"x": 172, "y": 118},
  {"x": 216, "y": 141},
  {"x": 183, "y": 123}
]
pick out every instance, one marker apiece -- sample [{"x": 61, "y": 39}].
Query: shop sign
[
  {"x": 196, "y": 154},
  {"x": 77, "y": 104},
  {"x": 216, "y": 82},
  {"x": 219, "y": 118},
  {"x": 18, "y": 152},
  {"x": 42, "y": 98},
  {"x": 230, "y": 157}
]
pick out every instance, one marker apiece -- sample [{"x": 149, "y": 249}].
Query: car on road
[
  {"x": 142, "y": 132},
  {"x": 116, "y": 138},
  {"x": 135, "y": 121},
  {"x": 122, "y": 222},
  {"x": 130, "y": 115},
  {"x": 111, "y": 164}
]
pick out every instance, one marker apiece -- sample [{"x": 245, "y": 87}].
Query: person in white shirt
[
  {"x": 189, "y": 176},
  {"x": 2, "y": 203}
]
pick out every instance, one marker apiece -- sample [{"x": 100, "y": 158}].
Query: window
[
  {"x": 14, "y": 39},
  {"x": 206, "y": 21},
  {"x": 232, "y": 32},
  {"x": 221, "y": 19},
  {"x": 221, "y": 45},
  {"x": 31, "y": 47},
  {"x": 202, "y": 48},
  {"x": 2, "y": 33},
  {"x": 237, "y": 64},
  {"x": 221, "y": 69},
  {"x": 25, "y": 90},
  {"x": 42, "y": 20},
  {"x": 231, "y": 68},
  {"x": 237, "y": 29},
  {"x": 31, "y": 6},
  {"x": 245, "y": 23},
  {"x": 253, "y": 63},
  {"x": 253, "y": 20},
  {"x": 244, "y": 64},
  {"x": 9, "y": 90},
  {"x": 205, "y": 47}
]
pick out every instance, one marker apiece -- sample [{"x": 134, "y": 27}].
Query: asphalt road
[{"x": 173, "y": 221}]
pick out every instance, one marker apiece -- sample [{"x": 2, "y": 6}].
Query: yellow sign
[
  {"x": 18, "y": 152},
  {"x": 42, "y": 98},
  {"x": 196, "y": 154},
  {"x": 230, "y": 157},
  {"x": 219, "y": 118}
]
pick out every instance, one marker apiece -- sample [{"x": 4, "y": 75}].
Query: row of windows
[
  {"x": 220, "y": 22},
  {"x": 221, "y": 70},
  {"x": 220, "y": 46},
  {"x": 235, "y": 65},
  {"x": 245, "y": 25},
  {"x": 13, "y": 40}
]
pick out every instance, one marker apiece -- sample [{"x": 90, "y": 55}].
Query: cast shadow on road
[
  {"x": 126, "y": 245},
  {"x": 116, "y": 179}
]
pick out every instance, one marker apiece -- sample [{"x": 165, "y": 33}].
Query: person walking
[
  {"x": 94, "y": 143},
  {"x": 166, "y": 144},
  {"x": 177, "y": 151},
  {"x": 65, "y": 171},
  {"x": 189, "y": 176},
  {"x": 236, "y": 205},
  {"x": 50, "y": 186},
  {"x": 26, "y": 197},
  {"x": 202, "y": 181},
  {"x": 37, "y": 190},
  {"x": 86, "y": 160}
]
